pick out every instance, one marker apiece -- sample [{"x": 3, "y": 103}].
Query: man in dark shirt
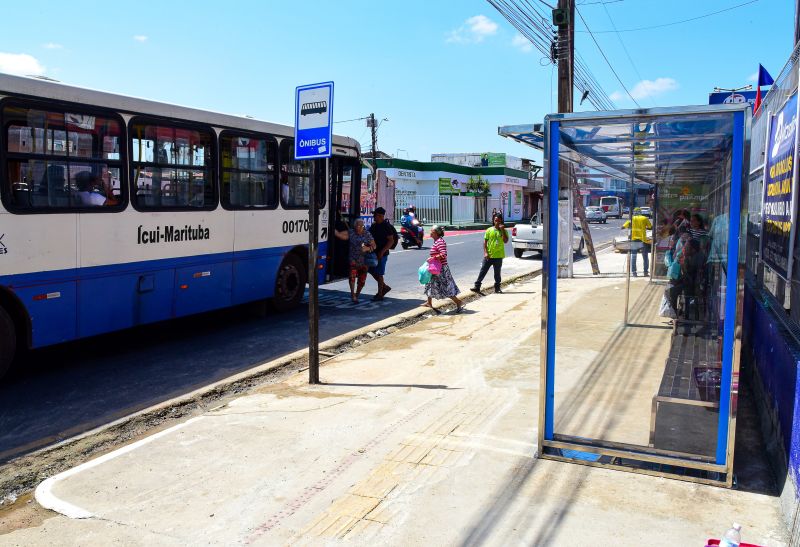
[{"x": 385, "y": 239}]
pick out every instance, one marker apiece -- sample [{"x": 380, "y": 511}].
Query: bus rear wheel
[
  {"x": 8, "y": 342},
  {"x": 290, "y": 283}
]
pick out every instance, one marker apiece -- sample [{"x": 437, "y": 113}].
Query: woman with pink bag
[{"x": 442, "y": 284}]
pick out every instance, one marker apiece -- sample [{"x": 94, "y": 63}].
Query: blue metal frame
[
  {"x": 551, "y": 266},
  {"x": 732, "y": 279},
  {"x": 550, "y": 269}
]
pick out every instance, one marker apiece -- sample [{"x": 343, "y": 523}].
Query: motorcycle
[{"x": 407, "y": 238}]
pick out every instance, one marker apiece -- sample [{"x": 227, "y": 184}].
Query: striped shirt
[
  {"x": 697, "y": 233},
  {"x": 439, "y": 251}
]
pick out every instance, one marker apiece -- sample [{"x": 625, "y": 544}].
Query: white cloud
[
  {"x": 140, "y": 38},
  {"x": 52, "y": 45},
  {"x": 20, "y": 64},
  {"x": 647, "y": 88},
  {"x": 522, "y": 43},
  {"x": 753, "y": 77},
  {"x": 474, "y": 30}
]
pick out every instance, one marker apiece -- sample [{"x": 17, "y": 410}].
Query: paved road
[{"x": 68, "y": 389}]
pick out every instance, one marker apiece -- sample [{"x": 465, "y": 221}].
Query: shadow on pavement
[
  {"x": 65, "y": 390},
  {"x": 417, "y": 386}
]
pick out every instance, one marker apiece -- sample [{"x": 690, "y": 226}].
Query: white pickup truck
[{"x": 530, "y": 237}]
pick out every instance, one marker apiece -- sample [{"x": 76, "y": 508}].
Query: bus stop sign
[{"x": 313, "y": 121}]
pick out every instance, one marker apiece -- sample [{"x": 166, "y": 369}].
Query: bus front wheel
[
  {"x": 290, "y": 283},
  {"x": 8, "y": 342}
]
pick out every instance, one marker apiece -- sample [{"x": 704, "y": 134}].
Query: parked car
[
  {"x": 530, "y": 237},
  {"x": 596, "y": 214},
  {"x": 646, "y": 211},
  {"x": 626, "y": 210}
]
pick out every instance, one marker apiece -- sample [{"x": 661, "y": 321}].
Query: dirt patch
[
  {"x": 284, "y": 390},
  {"x": 24, "y": 513}
]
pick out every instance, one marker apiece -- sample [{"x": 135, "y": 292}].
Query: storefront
[
  {"x": 620, "y": 387},
  {"x": 434, "y": 183}
]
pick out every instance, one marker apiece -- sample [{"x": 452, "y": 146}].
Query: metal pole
[
  {"x": 630, "y": 233},
  {"x": 313, "y": 279},
  {"x": 797, "y": 22},
  {"x": 654, "y": 210}
]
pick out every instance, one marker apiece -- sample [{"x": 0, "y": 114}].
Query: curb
[{"x": 203, "y": 399}]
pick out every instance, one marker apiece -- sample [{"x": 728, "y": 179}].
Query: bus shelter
[{"x": 625, "y": 381}]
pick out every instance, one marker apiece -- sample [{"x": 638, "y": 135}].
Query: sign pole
[
  {"x": 313, "y": 276},
  {"x": 313, "y": 140}
]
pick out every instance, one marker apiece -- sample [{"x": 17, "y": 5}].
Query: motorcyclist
[{"x": 409, "y": 222}]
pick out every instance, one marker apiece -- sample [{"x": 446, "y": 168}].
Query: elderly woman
[
  {"x": 442, "y": 285},
  {"x": 361, "y": 243}
]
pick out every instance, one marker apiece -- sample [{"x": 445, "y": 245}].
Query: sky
[{"x": 441, "y": 75}]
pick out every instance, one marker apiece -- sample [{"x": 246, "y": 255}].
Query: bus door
[{"x": 344, "y": 208}]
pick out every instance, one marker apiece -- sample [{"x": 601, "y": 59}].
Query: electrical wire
[
  {"x": 622, "y": 43},
  {"x": 677, "y": 22},
  {"x": 606, "y": 58},
  {"x": 534, "y": 25},
  {"x": 353, "y": 120}
]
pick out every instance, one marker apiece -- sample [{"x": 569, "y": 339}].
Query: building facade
[{"x": 504, "y": 188}]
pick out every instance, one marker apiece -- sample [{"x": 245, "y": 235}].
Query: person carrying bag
[{"x": 441, "y": 283}]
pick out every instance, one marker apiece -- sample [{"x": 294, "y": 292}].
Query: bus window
[
  {"x": 248, "y": 172},
  {"x": 172, "y": 167},
  {"x": 59, "y": 160},
  {"x": 296, "y": 179}
]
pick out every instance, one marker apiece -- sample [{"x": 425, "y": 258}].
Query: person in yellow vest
[{"x": 639, "y": 234}]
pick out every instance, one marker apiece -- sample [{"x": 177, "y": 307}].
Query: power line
[
  {"x": 606, "y": 58},
  {"x": 622, "y": 43},
  {"x": 534, "y": 25},
  {"x": 353, "y": 120},
  {"x": 677, "y": 22}
]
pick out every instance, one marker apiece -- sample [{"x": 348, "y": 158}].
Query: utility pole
[
  {"x": 564, "y": 17},
  {"x": 566, "y": 64},
  {"x": 371, "y": 124}
]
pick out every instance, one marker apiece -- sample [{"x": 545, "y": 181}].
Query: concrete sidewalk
[{"x": 423, "y": 437}]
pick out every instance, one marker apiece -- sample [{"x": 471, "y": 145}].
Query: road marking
[{"x": 44, "y": 492}]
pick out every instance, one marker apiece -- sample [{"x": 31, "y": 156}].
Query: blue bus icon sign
[{"x": 313, "y": 121}]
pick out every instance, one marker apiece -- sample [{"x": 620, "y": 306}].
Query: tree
[{"x": 478, "y": 185}]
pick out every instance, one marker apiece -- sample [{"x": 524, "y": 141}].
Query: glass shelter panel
[{"x": 637, "y": 362}]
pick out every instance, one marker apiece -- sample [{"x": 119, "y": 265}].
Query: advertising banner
[
  {"x": 779, "y": 190},
  {"x": 670, "y": 199},
  {"x": 447, "y": 186},
  {"x": 492, "y": 159}
]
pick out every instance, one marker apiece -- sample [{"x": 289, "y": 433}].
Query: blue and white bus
[{"x": 119, "y": 211}]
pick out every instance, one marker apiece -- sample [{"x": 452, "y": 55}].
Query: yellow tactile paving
[
  {"x": 355, "y": 506},
  {"x": 382, "y": 514},
  {"x": 437, "y": 457},
  {"x": 361, "y": 527},
  {"x": 409, "y": 465}
]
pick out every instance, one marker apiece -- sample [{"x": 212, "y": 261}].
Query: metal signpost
[{"x": 313, "y": 139}]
